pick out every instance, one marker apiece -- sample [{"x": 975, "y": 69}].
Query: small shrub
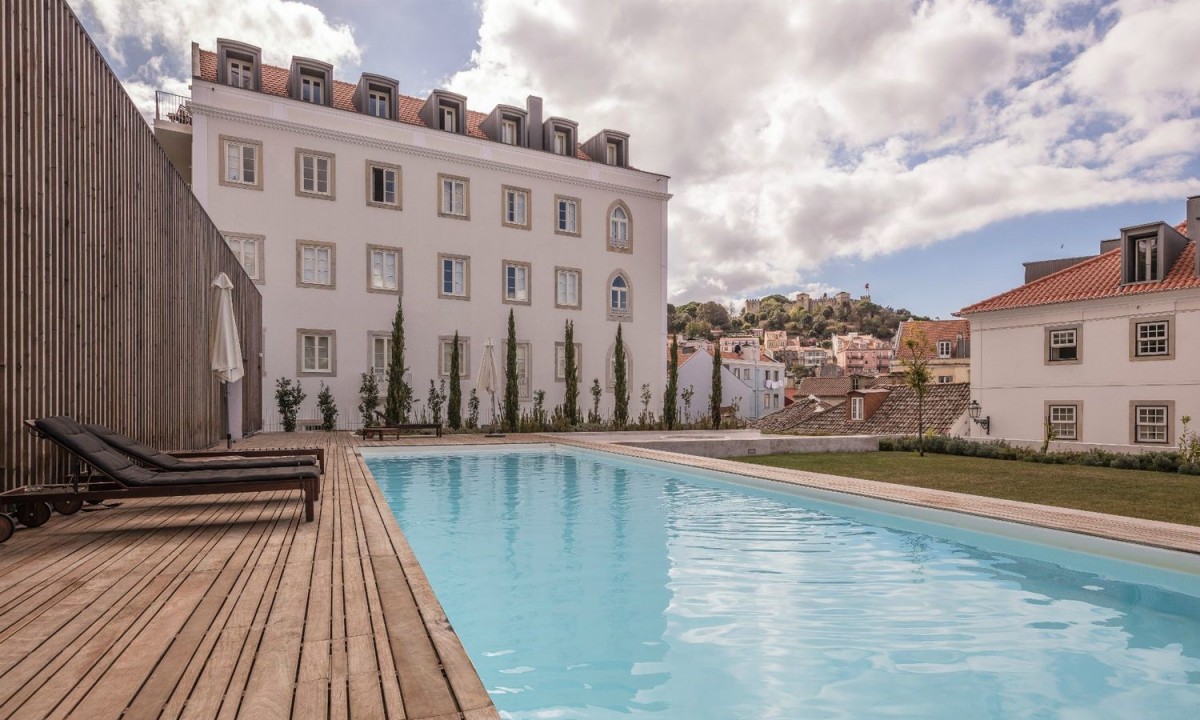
[
  {"x": 368, "y": 393},
  {"x": 288, "y": 398},
  {"x": 473, "y": 410},
  {"x": 328, "y": 407}
]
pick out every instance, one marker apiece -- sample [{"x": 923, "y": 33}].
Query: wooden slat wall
[{"x": 106, "y": 304}]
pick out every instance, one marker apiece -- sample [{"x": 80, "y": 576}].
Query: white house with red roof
[
  {"x": 1106, "y": 352},
  {"x": 342, "y": 197}
]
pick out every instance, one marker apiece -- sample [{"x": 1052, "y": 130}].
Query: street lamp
[{"x": 974, "y": 409}]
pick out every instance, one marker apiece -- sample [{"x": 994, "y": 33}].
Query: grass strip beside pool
[{"x": 1134, "y": 493}]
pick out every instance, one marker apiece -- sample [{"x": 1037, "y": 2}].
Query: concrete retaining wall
[{"x": 765, "y": 445}]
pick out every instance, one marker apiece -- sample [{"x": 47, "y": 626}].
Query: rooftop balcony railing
[{"x": 172, "y": 108}]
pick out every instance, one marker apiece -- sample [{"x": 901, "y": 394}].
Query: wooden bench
[{"x": 380, "y": 430}]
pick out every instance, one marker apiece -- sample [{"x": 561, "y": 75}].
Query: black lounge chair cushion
[
  {"x": 103, "y": 457},
  {"x": 157, "y": 458}
]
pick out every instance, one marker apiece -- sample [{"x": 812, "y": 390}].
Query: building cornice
[{"x": 405, "y": 148}]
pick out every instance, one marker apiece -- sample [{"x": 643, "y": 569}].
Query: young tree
[
  {"x": 399, "y": 394},
  {"x": 570, "y": 374},
  {"x": 368, "y": 393},
  {"x": 436, "y": 398},
  {"x": 288, "y": 398},
  {"x": 620, "y": 382},
  {"x": 594, "y": 415},
  {"x": 328, "y": 407},
  {"x": 454, "y": 410},
  {"x": 512, "y": 389},
  {"x": 473, "y": 410},
  {"x": 671, "y": 396},
  {"x": 917, "y": 376},
  {"x": 715, "y": 393},
  {"x": 688, "y": 393}
]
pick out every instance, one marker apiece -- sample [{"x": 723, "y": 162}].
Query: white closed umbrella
[
  {"x": 486, "y": 382},
  {"x": 227, "y": 345}
]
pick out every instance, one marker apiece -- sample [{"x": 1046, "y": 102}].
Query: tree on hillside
[
  {"x": 714, "y": 397},
  {"x": 399, "y": 395},
  {"x": 671, "y": 396},
  {"x": 620, "y": 382},
  {"x": 512, "y": 390},
  {"x": 915, "y": 361}
]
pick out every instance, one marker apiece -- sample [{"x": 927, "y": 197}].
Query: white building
[
  {"x": 1106, "y": 350},
  {"x": 695, "y": 372},
  {"x": 765, "y": 378},
  {"x": 342, "y": 198}
]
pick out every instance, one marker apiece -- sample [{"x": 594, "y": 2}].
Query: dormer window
[
  {"x": 449, "y": 117},
  {"x": 559, "y": 136},
  {"x": 1145, "y": 258},
  {"x": 560, "y": 143},
  {"x": 610, "y": 147},
  {"x": 1148, "y": 252},
  {"x": 445, "y": 111},
  {"x": 611, "y": 153},
  {"x": 943, "y": 349},
  {"x": 312, "y": 89},
  {"x": 379, "y": 103},
  {"x": 238, "y": 64},
  {"x": 508, "y": 132}
]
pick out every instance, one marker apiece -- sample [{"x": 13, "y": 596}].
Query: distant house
[
  {"x": 881, "y": 410},
  {"x": 948, "y": 348},
  {"x": 863, "y": 354},
  {"x": 1105, "y": 351},
  {"x": 765, "y": 377},
  {"x": 832, "y": 390},
  {"x": 695, "y": 371}
]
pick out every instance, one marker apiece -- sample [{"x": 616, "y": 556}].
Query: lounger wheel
[
  {"x": 34, "y": 514},
  {"x": 69, "y": 506},
  {"x": 6, "y": 527}
]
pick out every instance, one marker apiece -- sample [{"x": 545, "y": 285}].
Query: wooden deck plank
[{"x": 229, "y": 606}]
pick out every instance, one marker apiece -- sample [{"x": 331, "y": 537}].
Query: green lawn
[{"x": 1135, "y": 493}]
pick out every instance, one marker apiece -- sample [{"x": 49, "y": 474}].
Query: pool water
[{"x": 586, "y": 587}]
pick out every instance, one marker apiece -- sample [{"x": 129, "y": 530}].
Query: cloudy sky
[{"x": 926, "y": 147}]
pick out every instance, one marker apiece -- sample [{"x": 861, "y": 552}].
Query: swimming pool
[{"x": 588, "y": 585}]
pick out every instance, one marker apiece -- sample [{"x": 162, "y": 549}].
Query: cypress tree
[
  {"x": 571, "y": 375},
  {"x": 454, "y": 411},
  {"x": 512, "y": 390},
  {"x": 671, "y": 396},
  {"x": 399, "y": 394},
  {"x": 620, "y": 383},
  {"x": 714, "y": 396}
]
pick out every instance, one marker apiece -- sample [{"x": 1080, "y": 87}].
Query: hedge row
[{"x": 1000, "y": 450}]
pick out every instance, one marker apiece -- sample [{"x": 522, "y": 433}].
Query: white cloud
[
  {"x": 164, "y": 30},
  {"x": 796, "y": 132}
]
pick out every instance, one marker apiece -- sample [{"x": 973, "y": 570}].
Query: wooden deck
[{"x": 230, "y": 606}]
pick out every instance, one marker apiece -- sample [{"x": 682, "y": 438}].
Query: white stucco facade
[
  {"x": 1015, "y": 382},
  {"x": 348, "y": 311}
]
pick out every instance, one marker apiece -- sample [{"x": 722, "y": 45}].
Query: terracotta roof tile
[
  {"x": 792, "y": 415},
  {"x": 944, "y": 405},
  {"x": 827, "y": 387},
  {"x": 1092, "y": 279},
  {"x": 274, "y": 82},
  {"x": 935, "y": 331}
]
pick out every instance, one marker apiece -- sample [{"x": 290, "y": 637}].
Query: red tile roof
[
  {"x": 934, "y": 331},
  {"x": 944, "y": 405},
  {"x": 762, "y": 357},
  {"x": 1092, "y": 279},
  {"x": 274, "y": 82}
]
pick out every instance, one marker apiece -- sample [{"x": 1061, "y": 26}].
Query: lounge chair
[
  {"x": 382, "y": 426},
  {"x": 156, "y": 458},
  {"x": 113, "y": 475}
]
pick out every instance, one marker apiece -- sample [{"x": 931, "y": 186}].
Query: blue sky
[{"x": 928, "y": 147}]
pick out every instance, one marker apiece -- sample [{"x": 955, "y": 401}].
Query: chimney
[
  {"x": 533, "y": 127},
  {"x": 1193, "y": 218}
]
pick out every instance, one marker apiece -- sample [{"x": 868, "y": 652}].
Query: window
[
  {"x": 1152, "y": 338},
  {"x": 1062, "y": 345},
  {"x": 240, "y": 73},
  {"x": 618, "y": 297},
  {"x": 312, "y": 89},
  {"x": 1145, "y": 258},
  {"x": 943, "y": 349},
  {"x": 380, "y": 354},
  {"x": 856, "y": 408},
  {"x": 315, "y": 264},
  {"x": 449, "y": 118},
  {"x": 524, "y": 369},
  {"x": 560, "y": 142},
  {"x": 314, "y": 174},
  {"x": 566, "y": 220},
  {"x": 241, "y": 163},
  {"x": 456, "y": 277},
  {"x": 248, "y": 249},
  {"x": 1150, "y": 424},
  {"x": 516, "y": 282},
  {"x": 379, "y": 103},
  {"x": 446, "y": 353},
  {"x": 317, "y": 352},
  {"x": 611, "y": 154},
  {"x": 1064, "y": 421},
  {"x": 516, "y": 207},
  {"x": 567, "y": 282},
  {"x": 619, "y": 236},
  {"x": 945, "y": 379},
  {"x": 383, "y": 269},
  {"x": 508, "y": 132},
  {"x": 383, "y": 185},
  {"x": 454, "y": 198},
  {"x": 560, "y": 360}
]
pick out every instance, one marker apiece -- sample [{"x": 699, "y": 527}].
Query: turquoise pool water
[{"x": 586, "y": 586}]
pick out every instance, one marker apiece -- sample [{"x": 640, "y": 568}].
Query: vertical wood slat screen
[{"x": 106, "y": 304}]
